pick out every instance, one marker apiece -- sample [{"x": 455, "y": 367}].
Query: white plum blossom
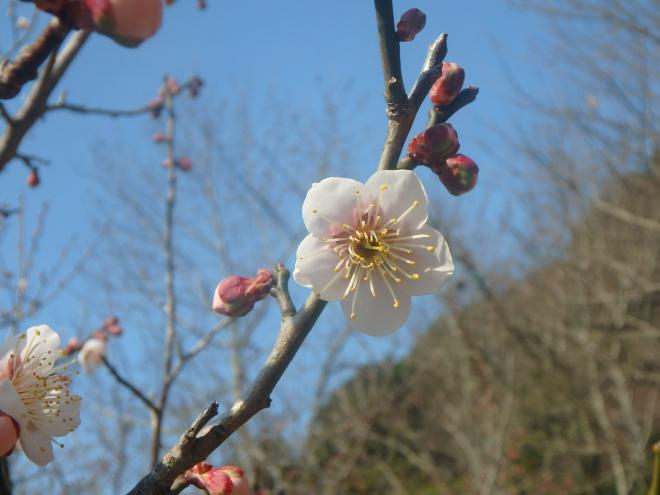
[
  {"x": 35, "y": 393},
  {"x": 91, "y": 354},
  {"x": 369, "y": 246}
]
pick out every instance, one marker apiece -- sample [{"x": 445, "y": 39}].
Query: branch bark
[
  {"x": 26, "y": 65},
  {"x": 35, "y": 102},
  {"x": 189, "y": 451}
]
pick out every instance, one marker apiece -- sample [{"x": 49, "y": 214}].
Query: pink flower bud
[
  {"x": 172, "y": 86},
  {"x": 110, "y": 321},
  {"x": 261, "y": 284},
  {"x": 235, "y": 296},
  {"x": 159, "y": 137},
  {"x": 184, "y": 163},
  {"x": 33, "y": 179},
  {"x": 459, "y": 174},
  {"x": 9, "y": 431},
  {"x": 230, "y": 299},
  {"x": 114, "y": 330},
  {"x": 128, "y": 22},
  {"x": 73, "y": 345},
  {"x": 412, "y": 22},
  {"x": 201, "y": 4},
  {"x": 226, "y": 480},
  {"x": 166, "y": 163},
  {"x": 448, "y": 85},
  {"x": 434, "y": 145}
]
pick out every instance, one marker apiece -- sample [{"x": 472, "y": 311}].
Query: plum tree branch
[
  {"x": 26, "y": 65},
  {"x": 35, "y": 102},
  {"x": 401, "y": 110},
  {"x": 132, "y": 388}
]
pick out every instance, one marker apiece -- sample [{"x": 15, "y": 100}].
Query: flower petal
[
  {"x": 44, "y": 336},
  {"x": 36, "y": 445},
  {"x": 66, "y": 421},
  {"x": 433, "y": 267},
  {"x": 315, "y": 268},
  {"x": 376, "y": 316},
  {"x": 397, "y": 191},
  {"x": 332, "y": 202},
  {"x": 11, "y": 404}
]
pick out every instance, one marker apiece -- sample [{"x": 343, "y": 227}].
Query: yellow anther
[
  {"x": 430, "y": 248},
  {"x": 384, "y": 187},
  {"x": 396, "y": 304},
  {"x": 414, "y": 276},
  {"x": 315, "y": 210},
  {"x": 352, "y": 316}
]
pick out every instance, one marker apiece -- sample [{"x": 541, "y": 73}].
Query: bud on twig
[
  {"x": 434, "y": 145},
  {"x": 412, "y": 22},
  {"x": 225, "y": 480},
  {"x": 235, "y": 296},
  {"x": 184, "y": 163},
  {"x": 448, "y": 85},
  {"x": 33, "y": 179},
  {"x": 459, "y": 174}
]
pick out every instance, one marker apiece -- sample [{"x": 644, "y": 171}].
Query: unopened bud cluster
[
  {"x": 410, "y": 24},
  {"x": 438, "y": 145},
  {"x": 235, "y": 295}
]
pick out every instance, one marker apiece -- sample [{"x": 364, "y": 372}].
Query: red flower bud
[
  {"x": 459, "y": 174},
  {"x": 448, "y": 85},
  {"x": 225, "y": 480},
  {"x": 159, "y": 137},
  {"x": 184, "y": 163},
  {"x": 261, "y": 284},
  {"x": 110, "y": 321},
  {"x": 9, "y": 432},
  {"x": 201, "y": 4},
  {"x": 230, "y": 299},
  {"x": 73, "y": 345},
  {"x": 114, "y": 330},
  {"x": 33, "y": 179},
  {"x": 434, "y": 145},
  {"x": 235, "y": 296},
  {"x": 412, "y": 22}
]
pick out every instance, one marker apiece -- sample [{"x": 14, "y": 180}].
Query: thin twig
[
  {"x": 184, "y": 455},
  {"x": 281, "y": 291},
  {"x": 134, "y": 390},
  {"x": 106, "y": 112}
]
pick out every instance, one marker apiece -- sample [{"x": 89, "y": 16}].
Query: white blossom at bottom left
[{"x": 34, "y": 392}]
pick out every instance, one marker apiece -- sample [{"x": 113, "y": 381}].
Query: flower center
[
  {"x": 373, "y": 247},
  {"x": 367, "y": 248}
]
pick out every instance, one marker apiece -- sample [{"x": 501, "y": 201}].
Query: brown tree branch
[
  {"x": 134, "y": 390},
  {"x": 35, "y": 102},
  {"x": 401, "y": 113},
  {"x": 189, "y": 451},
  {"x": 26, "y": 65}
]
